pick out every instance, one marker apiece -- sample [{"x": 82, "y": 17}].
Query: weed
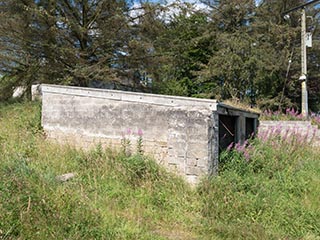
[{"x": 126, "y": 141}]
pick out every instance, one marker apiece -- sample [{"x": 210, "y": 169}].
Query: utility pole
[{"x": 303, "y": 77}]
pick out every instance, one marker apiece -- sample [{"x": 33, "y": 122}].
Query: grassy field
[{"x": 269, "y": 191}]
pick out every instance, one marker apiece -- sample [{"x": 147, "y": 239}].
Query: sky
[
  {"x": 167, "y": 15},
  {"x": 190, "y": 1},
  {"x": 196, "y": 3}
]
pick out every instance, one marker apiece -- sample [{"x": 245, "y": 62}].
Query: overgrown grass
[
  {"x": 272, "y": 195},
  {"x": 112, "y": 196},
  {"x": 271, "y": 192}
]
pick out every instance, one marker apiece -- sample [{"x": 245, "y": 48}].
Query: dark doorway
[
  {"x": 227, "y": 131},
  {"x": 250, "y": 129}
]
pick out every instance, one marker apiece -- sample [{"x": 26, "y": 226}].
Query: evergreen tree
[
  {"x": 233, "y": 49},
  {"x": 62, "y": 41}
]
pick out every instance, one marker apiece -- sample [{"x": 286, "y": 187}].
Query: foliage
[
  {"x": 70, "y": 42},
  {"x": 6, "y": 87},
  {"x": 186, "y": 45},
  {"x": 234, "y": 49}
]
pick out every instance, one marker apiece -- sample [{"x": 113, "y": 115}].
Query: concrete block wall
[
  {"x": 304, "y": 130},
  {"x": 180, "y": 133}
]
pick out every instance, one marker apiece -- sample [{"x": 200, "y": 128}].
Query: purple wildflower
[
  {"x": 140, "y": 132},
  {"x": 230, "y": 146}
]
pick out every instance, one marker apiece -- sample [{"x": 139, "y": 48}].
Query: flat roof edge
[
  {"x": 223, "y": 105},
  {"x": 130, "y": 96}
]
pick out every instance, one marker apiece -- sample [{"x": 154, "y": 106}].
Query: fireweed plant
[
  {"x": 290, "y": 114},
  {"x": 140, "y": 142},
  {"x": 126, "y": 144},
  {"x": 277, "y": 138}
]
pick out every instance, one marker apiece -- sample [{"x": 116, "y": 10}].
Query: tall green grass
[
  {"x": 268, "y": 191},
  {"x": 272, "y": 195},
  {"x": 112, "y": 196}
]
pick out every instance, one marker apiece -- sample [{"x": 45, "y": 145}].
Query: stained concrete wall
[
  {"x": 181, "y": 133},
  {"x": 302, "y": 131}
]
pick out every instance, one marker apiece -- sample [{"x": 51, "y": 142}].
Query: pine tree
[{"x": 62, "y": 41}]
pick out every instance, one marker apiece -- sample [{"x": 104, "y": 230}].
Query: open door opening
[
  {"x": 227, "y": 131},
  {"x": 250, "y": 128}
]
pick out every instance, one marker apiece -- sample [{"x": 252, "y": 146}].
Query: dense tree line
[{"x": 230, "y": 49}]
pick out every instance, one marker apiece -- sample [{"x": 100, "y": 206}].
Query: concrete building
[{"x": 184, "y": 134}]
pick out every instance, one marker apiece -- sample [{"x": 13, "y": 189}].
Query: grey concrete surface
[{"x": 180, "y": 133}]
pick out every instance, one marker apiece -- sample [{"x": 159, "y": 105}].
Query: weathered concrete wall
[
  {"x": 181, "y": 133},
  {"x": 303, "y": 131}
]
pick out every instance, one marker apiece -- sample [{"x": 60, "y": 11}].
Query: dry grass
[{"x": 242, "y": 106}]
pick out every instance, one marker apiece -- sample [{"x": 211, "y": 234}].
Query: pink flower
[
  {"x": 230, "y": 146},
  {"x": 140, "y": 132},
  {"x": 246, "y": 155}
]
